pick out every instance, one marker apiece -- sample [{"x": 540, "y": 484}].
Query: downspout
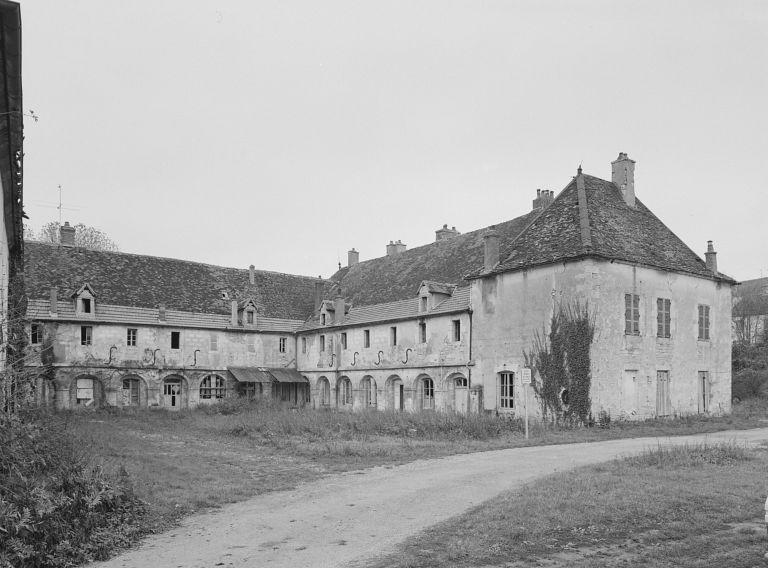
[{"x": 469, "y": 368}]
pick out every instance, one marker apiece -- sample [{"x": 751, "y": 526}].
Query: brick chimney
[
  {"x": 623, "y": 175},
  {"x": 491, "y": 245},
  {"x": 543, "y": 198},
  {"x": 353, "y": 257},
  {"x": 161, "y": 312},
  {"x": 445, "y": 233},
  {"x": 395, "y": 248},
  {"x": 67, "y": 235},
  {"x": 318, "y": 294},
  {"x": 338, "y": 309},
  {"x": 252, "y": 274},
  {"x": 54, "y": 309},
  {"x": 711, "y": 258}
]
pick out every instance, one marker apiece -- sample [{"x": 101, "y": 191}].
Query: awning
[
  {"x": 284, "y": 375},
  {"x": 266, "y": 375},
  {"x": 250, "y": 374}
]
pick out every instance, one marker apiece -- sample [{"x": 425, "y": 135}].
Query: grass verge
[{"x": 688, "y": 506}]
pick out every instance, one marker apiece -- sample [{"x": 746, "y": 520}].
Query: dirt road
[{"x": 353, "y": 517}]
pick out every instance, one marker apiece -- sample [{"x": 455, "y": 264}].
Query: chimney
[
  {"x": 491, "y": 244},
  {"x": 395, "y": 248},
  {"x": 711, "y": 257},
  {"x": 67, "y": 235},
  {"x": 353, "y": 257},
  {"x": 318, "y": 294},
  {"x": 445, "y": 233},
  {"x": 251, "y": 274},
  {"x": 543, "y": 199},
  {"x": 338, "y": 309},
  {"x": 161, "y": 312},
  {"x": 623, "y": 175},
  {"x": 54, "y": 309},
  {"x": 233, "y": 321}
]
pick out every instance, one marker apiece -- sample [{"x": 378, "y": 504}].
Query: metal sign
[{"x": 526, "y": 378}]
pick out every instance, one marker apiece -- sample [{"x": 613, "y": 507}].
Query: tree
[
  {"x": 85, "y": 236},
  {"x": 750, "y": 311}
]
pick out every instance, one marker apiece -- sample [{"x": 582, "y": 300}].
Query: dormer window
[
  {"x": 249, "y": 317},
  {"x": 85, "y": 301},
  {"x": 246, "y": 313},
  {"x": 322, "y": 319}
]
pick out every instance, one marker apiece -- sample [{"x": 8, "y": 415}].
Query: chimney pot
[
  {"x": 318, "y": 294},
  {"x": 338, "y": 309},
  {"x": 395, "y": 248},
  {"x": 252, "y": 274},
  {"x": 353, "y": 257},
  {"x": 711, "y": 258},
  {"x": 233, "y": 321},
  {"x": 161, "y": 312},
  {"x": 67, "y": 235}
]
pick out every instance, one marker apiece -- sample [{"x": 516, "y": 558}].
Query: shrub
[
  {"x": 56, "y": 509},
  {"x": 749, "y": 383}
]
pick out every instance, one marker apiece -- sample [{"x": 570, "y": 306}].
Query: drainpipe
[{"x": 469, "y": 369}]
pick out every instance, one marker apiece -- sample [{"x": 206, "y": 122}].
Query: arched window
[
  {"x": 212, "y": 386},
  {"x": 131, "y": 392},
  {"x": 368, "y": 391},
  {"x": 85, "y": 394},
  {"x": 324, "y": 388},
  {"x": 345, "y": 392},
  {"x": 427, "y": 394}
]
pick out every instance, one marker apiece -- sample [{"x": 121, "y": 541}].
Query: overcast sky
[{"x": 282, "y": 133}]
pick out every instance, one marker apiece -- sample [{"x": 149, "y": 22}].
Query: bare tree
[
  {"x": 85, "y": 236},
  {"x": 750, "y": 311}
]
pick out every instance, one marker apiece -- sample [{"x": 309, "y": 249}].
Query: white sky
[{"x": 282, "y": 133}]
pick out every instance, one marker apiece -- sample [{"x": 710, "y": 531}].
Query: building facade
[{"x": 447, "y": 326}]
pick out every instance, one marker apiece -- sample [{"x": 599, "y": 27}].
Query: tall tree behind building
[{"x": 85, "y": 236}]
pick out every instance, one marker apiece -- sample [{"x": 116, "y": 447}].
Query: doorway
[
  {"x": 461, "y": 395},
  {"x": 172, "y": 393}
]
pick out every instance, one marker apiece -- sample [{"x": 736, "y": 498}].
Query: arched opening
[
  {"x": 86, "y": 391},
  {"x": 133, "y": 391},
  {"x": 460, "y": 393},
  {"x": 368, "y": 392},
  {"x": 174, "y": 393},
  {"x": 344, "y": 393},
  {"x": 324, "y": 392},
  {"x": 426, "y": 393},
  {"x": 212, "y": 388},
  {"x": 395, "y": 393}
]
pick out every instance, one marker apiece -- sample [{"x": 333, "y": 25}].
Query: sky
[{"x": 283, "y": 133}]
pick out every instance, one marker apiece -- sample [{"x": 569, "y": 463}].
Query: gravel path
[{"x": 356, "y": 516}]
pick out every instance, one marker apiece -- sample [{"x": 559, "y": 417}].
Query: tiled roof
[
  {"x": 122, "y": 279},
  {"x": 38, "y": 309},
  {"x": 601, "y": 225},
  {"x": 401, "y": 309},
  {"x": 397, "y": 277}
]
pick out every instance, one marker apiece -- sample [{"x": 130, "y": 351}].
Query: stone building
[{"x": 443, "y": 326}]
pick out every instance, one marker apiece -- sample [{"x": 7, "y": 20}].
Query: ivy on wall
[{"x": 561, "y": 365}]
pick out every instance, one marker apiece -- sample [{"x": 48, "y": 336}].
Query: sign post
[{"x": 526, "y": 380}]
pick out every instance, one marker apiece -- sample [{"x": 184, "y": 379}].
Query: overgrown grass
[
  {"x": 694, "y": 505},
  {"x": 194, "y": 459}
]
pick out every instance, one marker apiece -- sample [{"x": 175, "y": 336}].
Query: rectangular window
[
  {"x": 322, "y": 343},
  {"x": 393, "y": 335},
  {"x": 130, "y": 339},
  {"x": 251, "y": 344},
  {"x": 506, "y": 390},
  {"x": 283, "y": 343},
  {"x": 366, "y": 338},
  {"x": 35, "y": 335},
  {"x": 303, "y": 344},
  {"x": 703, "y": 322},
  {"x": 214, "y": 342},
  {"x": 86, "y": 305},
  {"x": 175, "y": 339},
  {"x": 631, "y": 314},
  {"x": 423, "y": 305},
  {"x": 663, "y": 317},
  {"x": 344, "y": 340},
  {"x": 322, "y": 319},
  {"x": 249, "y": 317},
  {"x": 422, "y": 332},
  {"x": 86, "y": 335},
  {"x": 457, "y": 330}
]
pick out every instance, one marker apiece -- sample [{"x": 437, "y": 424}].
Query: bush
[
  {"x": 749, "y": 383},
  {"x": 56, "y": 508}
]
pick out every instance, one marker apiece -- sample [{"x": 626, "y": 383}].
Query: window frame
[
  {"x": 506, "y": 390},
  {"x": 631, "y": 314},
  {"x": 282, "y": 345},
  {"x": 393, "y": 336},
  {"x": 86, "y": 335},
  {"x": 427, "y": 393},
  {"x": 366, "y": 338},
  {"x": 343, "y": 339},
  {"x": 214, "y": 346},
  {"x": 345, "y": 392},
  {"x": 176, "y": 339},
  {"x": 703, "y": 322},
  {"x": 663, "y": 318},
  {"x": 422, "y": 332},
  {"x": 87, "y": 305},
  {"x": 210, "y": 390},
  {"x": 35, "y": 334},
  {"x": 303, "y": 345},
  {"x": 456, "y": 330},
  {"x": 322, "y": 344},
  {"x": 131, "y": 336}
]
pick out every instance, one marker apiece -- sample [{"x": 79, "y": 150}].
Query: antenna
[{"x": 58, "y": 205}]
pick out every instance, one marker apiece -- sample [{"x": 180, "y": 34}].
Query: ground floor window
[
  {"x": 85, "y": 391},
  {"x": 130, "y": 392},
  {"x": 212, "y": 386},
  {"x": 506, "y": 390},
  {"x": 368, "y": 390},
  {"x": 324, "y": 392},
  {"x": 345, "y": 392},
  {"x": 250, "y": 390}
]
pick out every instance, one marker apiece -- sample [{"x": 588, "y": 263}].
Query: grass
[
  {"x": 688, "y": 506},
  {"x": 196, "y": 459}
]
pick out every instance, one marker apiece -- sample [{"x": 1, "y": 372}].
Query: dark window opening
[
  {"x": 130, "y": 340},
  {"x": 86, "y": 335},
  {"x": 86, "y": 306},
  {"x": 457, "y": 330},
  {"x": 366, "y": 338},
  {"x": 36, "y": 335},
  {"x": 175, "y": 339}
]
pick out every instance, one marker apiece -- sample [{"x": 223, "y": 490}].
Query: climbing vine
[{"x": 561, "y": 363}]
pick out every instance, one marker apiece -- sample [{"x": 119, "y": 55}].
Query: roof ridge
[{"x": 581, "y": 194}]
